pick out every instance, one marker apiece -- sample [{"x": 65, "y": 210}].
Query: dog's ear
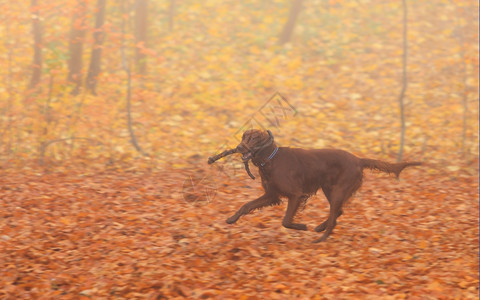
[{"x": 246, "y": 133}]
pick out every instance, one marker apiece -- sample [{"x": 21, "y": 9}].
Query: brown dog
[{"x": 298, "y": 173}]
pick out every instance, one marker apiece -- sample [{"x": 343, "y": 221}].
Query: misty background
[{"x": 115, "y": 81}]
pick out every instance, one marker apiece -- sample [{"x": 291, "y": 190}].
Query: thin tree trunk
[
  {"x": 11, "y": 92},
  {"x": 404, "y": 83},
  {"x": 98, "y": 37},
  {"x": 48, "y": 119},
  {"x": 464, "y": 101},
  {"x": 77, "y": 36},
  {"x": 171, "y": 13},
  {"x": 141, "y": 23},
  {"x": 462, "y": 41},
  {"x": 37, "y": 45},
  {"x": 125, "y": 66},
  {"x": 290, "y": 24}
]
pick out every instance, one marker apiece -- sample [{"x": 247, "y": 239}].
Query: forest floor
[
  {"x": 102, "y": 219},
  {"x": 134, "y": 234}
]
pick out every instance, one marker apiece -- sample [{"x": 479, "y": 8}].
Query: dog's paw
[
  {"x": 231, "y": 220},
  {"x": 321, "y": 227},
  {"x": 322, "y": 239},
  {"x": 298, "y": 226},
  {"x": 302, "y": 227}
]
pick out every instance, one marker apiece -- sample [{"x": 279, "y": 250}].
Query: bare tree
[
  {"x": 141, "y": 24},
  {"x": 98, "y": 37},
  {"x": 77, "y": 35},
  {"x": 171, "y": 13},
  {"x": 290, "y": 24},
  {"x": 37, "y": 45},
  {"x": 462, "y": 39},
  {"x": 404, "y": 83},
  {"x": 126, "y": 67},
  {"x": 7, "y": 112}
]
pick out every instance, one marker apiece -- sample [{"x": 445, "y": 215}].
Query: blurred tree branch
[{"x": 290, "y": 24}]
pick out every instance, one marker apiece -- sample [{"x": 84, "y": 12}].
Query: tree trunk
[
  {"x": 171, "y": 13},
  {"x": 125, "y": 65},
  {"x": 37, "y": 45},
  {"x": 461, "y": 36},
  {"x": 77, "y": 36},
  {"x": 292, "y": 19},
  {"x": 98, "y": 36},
  {"x": 141, "y": 23},
  {"x": 7, "y": 114},
  {"x": 404, "y": 83}
]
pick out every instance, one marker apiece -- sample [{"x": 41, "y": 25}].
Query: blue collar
[{"x": 270, "y": 157}]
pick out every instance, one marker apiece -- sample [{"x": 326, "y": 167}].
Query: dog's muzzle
[{"x": 246, "y": 154}]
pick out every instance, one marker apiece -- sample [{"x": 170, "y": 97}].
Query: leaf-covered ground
[
  {"x": 97, "y": 220},
  {"x": 140, "y": 235}
]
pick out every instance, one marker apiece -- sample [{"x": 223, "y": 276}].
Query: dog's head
[{"x": 254, "y": 140}]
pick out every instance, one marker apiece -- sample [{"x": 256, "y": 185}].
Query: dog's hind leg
[
  {"x": 293, "y": 205},
  {"x": 327, "y": 191},
  {"x": 323, "y": 226},
  {"x": 337, "y": 196},
  {"x": 331, "y": 222}
]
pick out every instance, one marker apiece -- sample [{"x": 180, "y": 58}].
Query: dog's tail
[{"x": 386, "y": 167}]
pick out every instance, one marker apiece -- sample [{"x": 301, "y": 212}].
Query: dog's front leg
[{"x": 262, "y": 201}]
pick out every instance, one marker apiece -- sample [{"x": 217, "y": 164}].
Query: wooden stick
[{"x": 214, "y": 158}]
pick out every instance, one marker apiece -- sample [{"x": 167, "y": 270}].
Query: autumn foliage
[{"x": 85, "y": 214}]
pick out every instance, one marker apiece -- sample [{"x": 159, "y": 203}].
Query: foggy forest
[{"x": 110, "y": 112}]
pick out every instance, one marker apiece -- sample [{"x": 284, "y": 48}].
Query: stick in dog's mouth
[
  {"x": 214, "y": 158},
  {"x": 245, "y": 158}
]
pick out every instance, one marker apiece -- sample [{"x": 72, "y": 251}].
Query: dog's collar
[{"x": 270, "y": 157}]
